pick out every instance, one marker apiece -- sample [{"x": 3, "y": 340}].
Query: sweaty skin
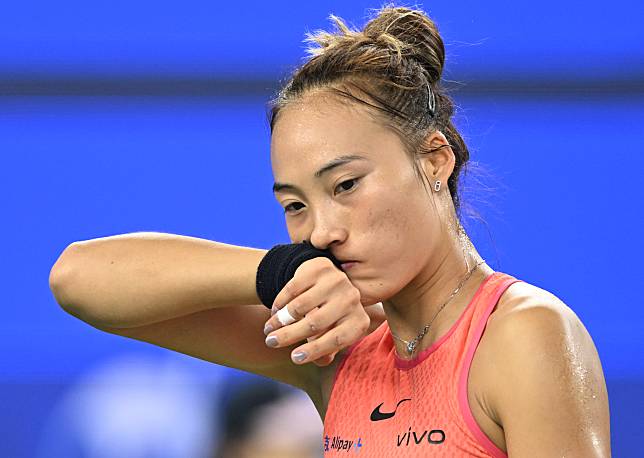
[
  {"x": 410, "y": 256},
  {"x": 381, "y": 216},
  {"x": 536, "y": 386}
]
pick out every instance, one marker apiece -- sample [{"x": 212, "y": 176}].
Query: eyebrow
[{"x": 337, "y": 162}]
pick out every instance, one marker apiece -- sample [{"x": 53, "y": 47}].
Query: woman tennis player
[{"x": 406, "y": 341}]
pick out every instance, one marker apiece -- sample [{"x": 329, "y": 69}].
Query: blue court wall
[
  {"x": 485, "y": 40},
  {"x": 551, "y": 106}
]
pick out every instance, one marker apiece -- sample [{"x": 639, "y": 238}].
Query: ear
[{"x": 439, "y": 164}]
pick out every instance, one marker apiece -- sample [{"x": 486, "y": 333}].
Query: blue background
[{"x": 119, "y": 117}]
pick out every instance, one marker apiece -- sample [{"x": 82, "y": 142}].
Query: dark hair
[
  {"x": 396, "y": 61},
  {"x": 393, "y": 60}
]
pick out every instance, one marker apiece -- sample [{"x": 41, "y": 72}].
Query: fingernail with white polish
[
  {"x": 299, "y": 356},
  {"x": 268, "y": 328},
  {"x": 271, "y": 341}
]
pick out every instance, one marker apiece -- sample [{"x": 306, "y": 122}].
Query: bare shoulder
[
  {"x": 545, "y": 384},
  {"x": 522, "y": 296}
]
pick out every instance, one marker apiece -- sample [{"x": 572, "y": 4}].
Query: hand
[
  {"x": 327, "y": 310},
  {"x": 376, "y": 315},
  {"x": 325, "y": 360}
]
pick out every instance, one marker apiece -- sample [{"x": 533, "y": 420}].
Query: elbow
[
  {"x": 74, "y": 283},
  {"x": 63, "y": 277}
]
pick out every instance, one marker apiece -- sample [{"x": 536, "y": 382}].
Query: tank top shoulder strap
[{"x": 493, "y": 292}]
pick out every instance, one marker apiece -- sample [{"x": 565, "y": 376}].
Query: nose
[{"x": 326, "y": 231}]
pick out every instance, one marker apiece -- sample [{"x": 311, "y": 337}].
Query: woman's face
[{"x": 372, "y": 210}]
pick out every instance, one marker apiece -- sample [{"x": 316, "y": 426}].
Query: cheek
[
  {"x": 387, "y": 232},
  {"x": 397, "y": 231},
  {"x": 394, "y": 220},
  {"x": 387, "y": 226}
]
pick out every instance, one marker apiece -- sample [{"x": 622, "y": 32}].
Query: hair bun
[{"x": 416, "y": 32}]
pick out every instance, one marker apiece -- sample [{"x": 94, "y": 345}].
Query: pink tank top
[{"x": 384, "y": 406}]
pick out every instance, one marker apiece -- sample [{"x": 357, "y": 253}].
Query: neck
[{"x": 419, "y": 302}]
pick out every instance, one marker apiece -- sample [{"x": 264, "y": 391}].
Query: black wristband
[{"x": 278, "y": 266}]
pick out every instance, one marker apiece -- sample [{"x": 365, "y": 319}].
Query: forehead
[{"x": 319, "y": 127}]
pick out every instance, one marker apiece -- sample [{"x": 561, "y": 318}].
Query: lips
[{"x": 345, "y": 263}]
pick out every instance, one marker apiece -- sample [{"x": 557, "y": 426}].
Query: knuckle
[
  {"x": 363, "y": 324},
  {"x": 339, "y": 278},
  {"x": 344, "y": 285},
  {"x": 295, "y": 309},
  {"x": 339, "y": 340},
  {"x": 283, "y": 338},
  {"x": 349, "y": 287},
  {"x": 353, "y": 296},
  {"x": 315, "y": 265},
  {"x": 346, "y": 307},
  {"x": 325, "y": 265},
  {"x": 348, "y": 303},
  {"x": 290, "y": 289},
  {"x": 302, "y": 269},
  {"x": 313, "y": 348},
  {"x": 314, "y": 326}
]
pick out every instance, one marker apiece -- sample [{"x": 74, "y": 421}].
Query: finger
[
  {"x": 325, "y": 360},
  {"x": 324, "y": 292},
  {"x": 314, "y": 323},
  {"x": 297, "y": 308},
  {"x": 306, "y": 275},
  {"x": 283, "y": 318},
  {"x": 341, "y": 336},
  {"x": 283, "y": 336},
  {"x": 292, "y": 289},
  {"x": 315, "y": 336}
]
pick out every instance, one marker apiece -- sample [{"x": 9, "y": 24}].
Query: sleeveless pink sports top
[{"x": 385, "y": 406}]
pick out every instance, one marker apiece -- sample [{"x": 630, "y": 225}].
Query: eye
[
  {"x": 345, "y": 189},
  {"x": 291, "y": 209},
  {"x": 286, "y": 209}
]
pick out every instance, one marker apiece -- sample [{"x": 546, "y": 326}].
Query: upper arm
[
  {"x": 550, "y": 393},
  {"x": 230, "y": 336}
]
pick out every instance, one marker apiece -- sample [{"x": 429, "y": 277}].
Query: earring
[{"x": 437, "y": 185}]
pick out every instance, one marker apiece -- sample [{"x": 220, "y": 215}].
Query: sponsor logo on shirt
[
  {"x": 434, "y": 437},
  {"x": 339, "y": 443},
  {"x": 377, "y": 415}
]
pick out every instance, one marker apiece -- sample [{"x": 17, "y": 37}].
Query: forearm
[{"x": 131, "y": 280}]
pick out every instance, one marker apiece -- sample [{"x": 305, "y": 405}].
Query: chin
[
  {"x": 367, "y": 299},
  {"x": 367, "y": 303}
]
